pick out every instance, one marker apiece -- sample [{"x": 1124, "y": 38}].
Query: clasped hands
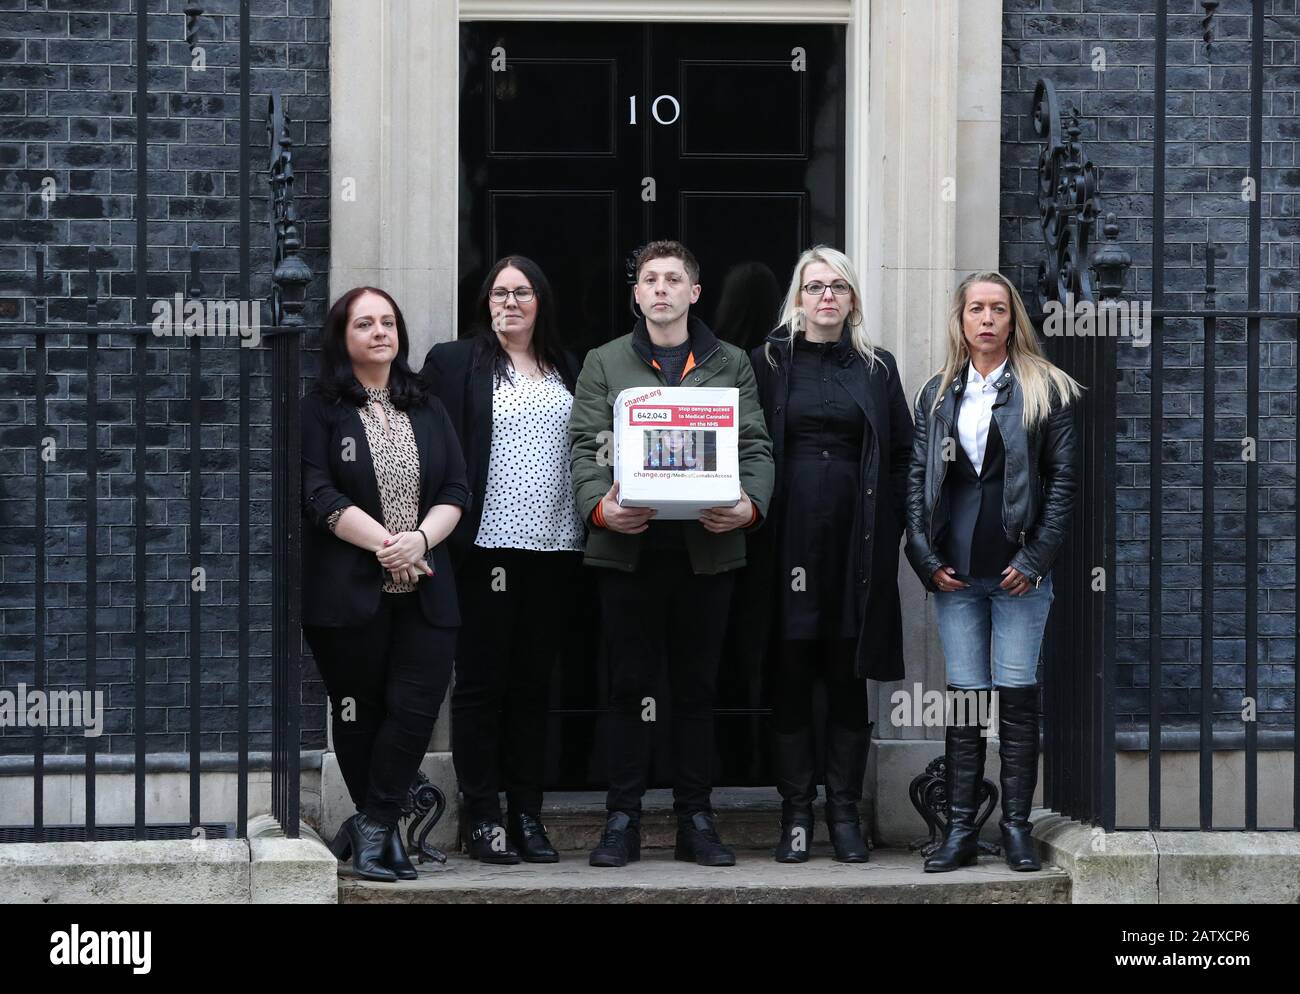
[
  {"x": 634, "y": 520},
  {"x": 403, "y": 556}
]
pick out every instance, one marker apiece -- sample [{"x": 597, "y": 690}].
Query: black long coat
[{"x": 886, "y": 458}]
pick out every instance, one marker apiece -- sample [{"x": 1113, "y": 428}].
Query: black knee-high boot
[
  {"x": 1018, "y": 735},
  {"x": 796, "y": 780},
  {"x": 965, "y": 749},
  {"x": 846, "y": 766}
]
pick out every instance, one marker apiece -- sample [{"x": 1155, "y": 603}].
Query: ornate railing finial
[
  {"x": 1068, "y": 206},
  {"x": 291, "y": 274}
]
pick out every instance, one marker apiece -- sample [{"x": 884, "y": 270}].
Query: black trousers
[
  {"x": 386, "y": 680},
  {"x": 513, "y": 605},
  {"x": 662, "y": 615},
  {"x": 798, "y": 664}
]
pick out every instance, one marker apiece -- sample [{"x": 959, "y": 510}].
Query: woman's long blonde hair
[
  {"x": 793, "y": 318},
  {"x": 1040, "y": 381}
]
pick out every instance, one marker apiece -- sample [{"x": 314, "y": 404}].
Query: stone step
[
  {"x": 892, "y": 877},
  {"x": 747, "y": 817}
]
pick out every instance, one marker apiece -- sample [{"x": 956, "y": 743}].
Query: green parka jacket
[{"x": 628, "y": 362}]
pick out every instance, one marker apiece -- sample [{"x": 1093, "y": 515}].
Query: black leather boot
[
  {"x": 796, "y": 780},
  {"x": 528, "y": 835},
  {"x": 846, "y": 765},
  {"x": 621, "y": 842},
  {"x": 965, "y": 749},
  {"x": 1018, "y": 736},
  {"x": 488, "y": 842},
  {"x": 364, "y": 839},
  {"x": 395, "y": 857},
  {"x": 698, "y": 842},
  {"x": 796, "y": 837}
]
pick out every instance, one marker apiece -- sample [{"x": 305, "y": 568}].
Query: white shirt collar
[{"x": 973, "y": 378}]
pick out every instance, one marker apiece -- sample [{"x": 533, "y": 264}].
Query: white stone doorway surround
[{"x": 924, "y": 123}]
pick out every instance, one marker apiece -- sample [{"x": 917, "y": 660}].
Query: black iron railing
[
  {"x": 1080, "y": 673},
  {"x": 282, "y": 338}
]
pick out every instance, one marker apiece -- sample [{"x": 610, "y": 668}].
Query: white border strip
[{"x": 807, "y": 11}]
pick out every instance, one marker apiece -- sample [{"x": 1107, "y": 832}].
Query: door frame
[{"x": 853, "y": 13}]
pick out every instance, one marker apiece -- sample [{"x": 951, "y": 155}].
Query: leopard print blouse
[{"x": 397, "y": 471}]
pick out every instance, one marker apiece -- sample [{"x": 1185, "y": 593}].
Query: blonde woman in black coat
[{"x": 842, "y": 442}]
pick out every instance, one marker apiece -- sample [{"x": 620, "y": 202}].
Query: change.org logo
[{"x": 77, "y": 948}]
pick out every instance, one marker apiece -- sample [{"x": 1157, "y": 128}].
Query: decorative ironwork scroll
[{"x": 929, "y": 794}]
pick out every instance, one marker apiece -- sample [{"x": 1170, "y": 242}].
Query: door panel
[
  {"x": 586, "y": 89},
  {"x": 734, "y": 109},
  {"x": 746, "y": 153}
]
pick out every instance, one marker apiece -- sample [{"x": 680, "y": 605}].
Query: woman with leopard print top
[{"x": 384, "y": 484}]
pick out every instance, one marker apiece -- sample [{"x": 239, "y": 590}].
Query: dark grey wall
[
  {"x": 1207, "y": 105},
  {"x": 67, "y": 106}
]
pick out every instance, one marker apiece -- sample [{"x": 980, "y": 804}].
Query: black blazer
[
  {"x": 459, "y": 373},
  {"x": 341, "y": 581},
  {"x": 885, "y": 459}
]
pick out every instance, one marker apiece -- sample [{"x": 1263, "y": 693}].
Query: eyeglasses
[
  {"x": 522, "y": 294},
  {"x": 839, "y": 288}
]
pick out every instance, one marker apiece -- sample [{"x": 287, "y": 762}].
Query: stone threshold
[
  {"x": 265, "y": 868},
  {"x": 891, "y": 877},
  {"x": 1143, "y": 867}
]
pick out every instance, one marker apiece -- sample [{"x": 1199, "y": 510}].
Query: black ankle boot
[
  {"x": 846, "y": 765},
  {"x": 965, "y": 749},
  {"x": 489, "y": 842},
  {"x": 1018, "y": 736},
  {"x": 698, "y": 842},
  {"x": 363, "y": 839},
  {"x": 395, "y": 857},
  {"x": 621, "y": 842},
  {"x": 796, "y": 837},
  {"x": 796, "y": 781},
  {"x": 528, "y": 835}
]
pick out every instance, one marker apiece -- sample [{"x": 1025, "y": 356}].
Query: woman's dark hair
[
  {"x": 336, "y": 380},
  {"x": 545, "y": 344}
]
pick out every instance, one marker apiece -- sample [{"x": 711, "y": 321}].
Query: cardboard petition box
[{"x": 676, "y": 449}]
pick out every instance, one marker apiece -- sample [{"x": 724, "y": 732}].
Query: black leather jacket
[{"x": 1038, "y": 491}]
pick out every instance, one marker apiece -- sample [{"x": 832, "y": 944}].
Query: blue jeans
[{"x": 991, "y": 638}]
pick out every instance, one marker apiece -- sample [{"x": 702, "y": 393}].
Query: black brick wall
[
  {"x": 1208, "y": 106},
  {"x": 67, "y": 106}
]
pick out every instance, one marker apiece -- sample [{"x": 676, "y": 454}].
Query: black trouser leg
[
  {"x": 700, "y": 608},
  {"x": 538, "y": 631},
  {"x": 487, "y": 609},
  {"x": 352, "y": 664},
  {"x": 632, "y": 609},
  {"x": 419, "y": 669}
]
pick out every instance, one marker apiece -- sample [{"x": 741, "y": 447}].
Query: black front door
[{"x": 581, "y": 142}]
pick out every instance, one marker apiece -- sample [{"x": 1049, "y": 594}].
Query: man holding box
[{"x": 665, "y": 586}]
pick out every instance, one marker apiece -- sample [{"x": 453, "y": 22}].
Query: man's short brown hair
[{"x": 667, "y": 249}]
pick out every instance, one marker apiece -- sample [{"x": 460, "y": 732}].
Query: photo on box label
[{"x": 681, "y": 449}]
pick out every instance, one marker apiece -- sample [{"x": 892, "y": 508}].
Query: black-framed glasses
[
  {"x": 522, "y": 294},
  {"x": 839, "y": 288}
]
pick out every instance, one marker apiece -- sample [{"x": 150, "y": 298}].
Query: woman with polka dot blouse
[{"x": 508, "y": 388}]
